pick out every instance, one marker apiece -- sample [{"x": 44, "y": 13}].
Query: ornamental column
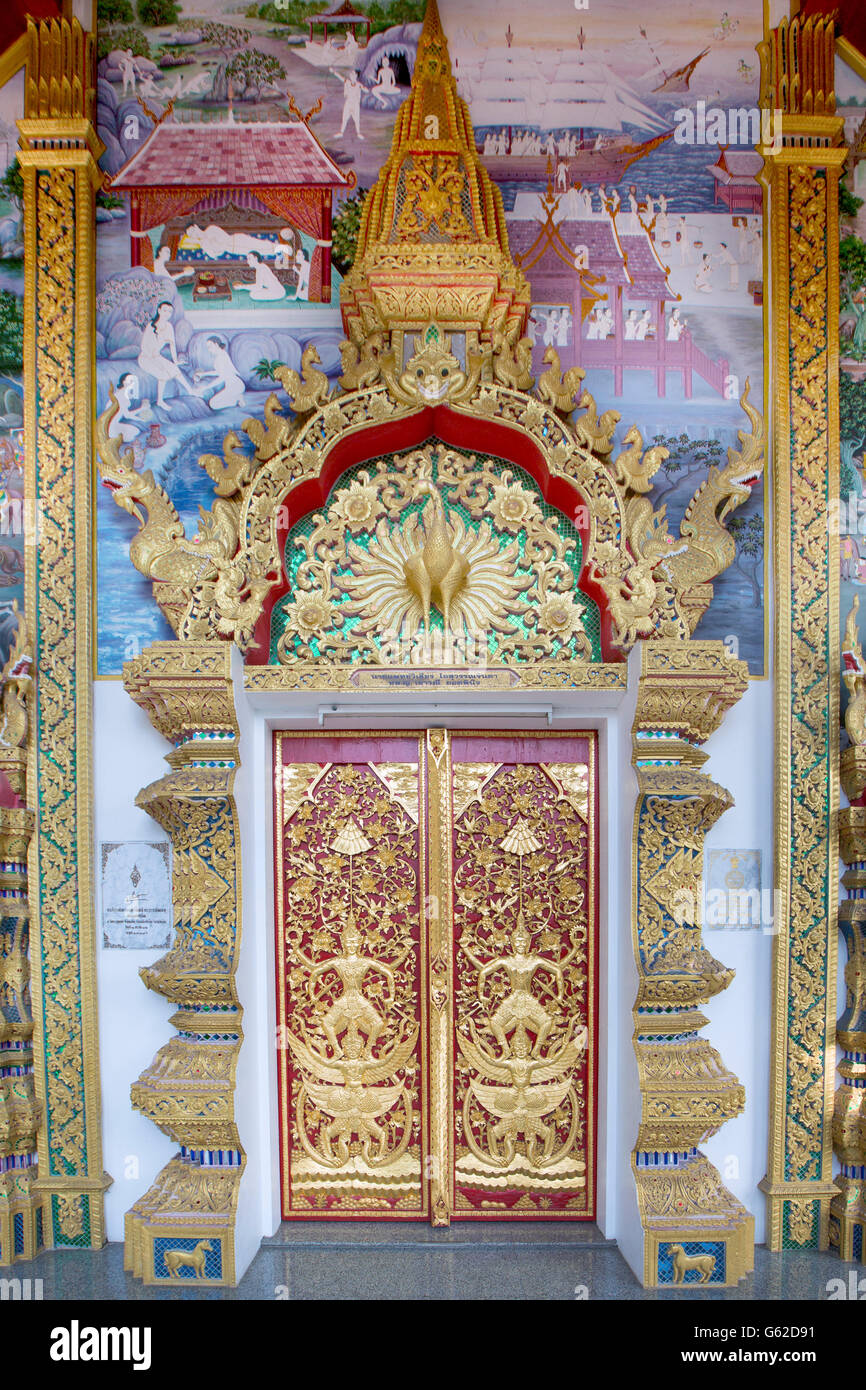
[
  {"x": 848, "y": 1207},
  {"x": 694, "y": 1229},
  {"x": 21, "y": 1216},
  {"x": 58, "y": 160},
  {"x": 802, "y": 176}
]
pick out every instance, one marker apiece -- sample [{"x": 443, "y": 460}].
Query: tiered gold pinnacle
[{"x": 432, "y": 201}]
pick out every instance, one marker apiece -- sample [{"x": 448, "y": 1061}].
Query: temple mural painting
[
  {"x": 851, "y": 513},
  {"x": 12, "y": 511},
  {"x": 240, "y": 141}
]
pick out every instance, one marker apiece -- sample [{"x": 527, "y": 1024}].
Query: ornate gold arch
[{"x": 214, "y": 585}]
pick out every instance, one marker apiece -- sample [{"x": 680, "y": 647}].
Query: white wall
[
  {"x": 256, "y": 1094},
  {"x": 133, "y": 1020}
]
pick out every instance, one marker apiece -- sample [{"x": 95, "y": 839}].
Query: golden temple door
[{"x": 436, "y": 973}]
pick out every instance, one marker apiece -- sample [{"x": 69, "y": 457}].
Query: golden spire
[{"x": 433, "y": 242}]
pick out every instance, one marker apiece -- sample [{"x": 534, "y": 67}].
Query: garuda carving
[{"x": 213, "y": 584}]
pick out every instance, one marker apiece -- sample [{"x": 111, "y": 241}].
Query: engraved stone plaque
[{"x": 136, "y": 894}]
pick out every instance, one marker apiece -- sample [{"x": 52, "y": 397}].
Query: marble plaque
[
  {"x": 136, "y": 894},
  {"x": 733, "y": 891}
]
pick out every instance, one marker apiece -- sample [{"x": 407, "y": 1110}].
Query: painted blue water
[{"x": 678, "y": 171}]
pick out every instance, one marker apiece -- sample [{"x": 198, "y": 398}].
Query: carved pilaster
[
  {"x": 183, "y": 1226},
  {"x": 687, "y": 1093},
  {"x": 59, "y": 166},
  {"x": 848, "y": 1206},
  {"x": 21, "y": 1217},
  {"x": 802, "y": 177}
]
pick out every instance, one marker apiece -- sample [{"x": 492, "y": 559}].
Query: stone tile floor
[{"x": 369, "y": 1261}]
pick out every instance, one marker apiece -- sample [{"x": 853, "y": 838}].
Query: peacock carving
[
  {"x": 512, "y": 362},
  {"x": 309, "y": 389},
  {"x": 556, "y": 388},
  {"x": 269, "y": 437},
  {"x": 595, "y": 432},
  {"x": 433, "y": 562},
  {"x": 361, "y": 366},
  {"x": 437, "y": 572}
]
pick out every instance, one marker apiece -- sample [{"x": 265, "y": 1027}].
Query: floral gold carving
[
  {"x": 797, "y": 66},
  {"x": 59, "y": 167}
]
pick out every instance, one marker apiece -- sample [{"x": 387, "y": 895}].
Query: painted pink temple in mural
[{"x": 607, "y": 274}]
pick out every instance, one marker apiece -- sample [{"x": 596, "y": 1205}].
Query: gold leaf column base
[
  {"x": 188, "y": 1210},
  {"x": 847, "y": 1217}
]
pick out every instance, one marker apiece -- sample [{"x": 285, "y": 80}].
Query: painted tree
[
  {"x": 225, "y": 38},
  {"x": 156, "y": 12},
  {"x": 251, "y": 70},
  {"x": 686, "y": 458},
  {"x": 852, "y": 409},
  {"x": 852, "y": 290},
  {"x": 114, "y": 12},
  {"x": 11, "y": 332},
  {"x": 748, "y": 532},
  {"x": 12, "y": 183},
  {"x": 345, "y": 229},
  {"x": 131, "y": 37}
]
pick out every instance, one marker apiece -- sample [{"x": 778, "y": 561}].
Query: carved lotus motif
[
  {"x": 309, "y": 614},
  {"x": 357, "y": 506},
  {"x": 560, "y": 615},
  {"x": 513, "y": 506}
]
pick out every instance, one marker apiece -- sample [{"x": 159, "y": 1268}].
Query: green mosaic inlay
[{"x": 81, "y": 1239}]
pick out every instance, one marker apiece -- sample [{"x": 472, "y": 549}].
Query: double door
[{"x": 436, "y": 956}]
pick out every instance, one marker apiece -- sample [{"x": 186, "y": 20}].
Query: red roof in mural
[
  {"x": 344, "y": 11},
  {"x": 631, "y": 261},
  {"x": 230, "y": 154}
]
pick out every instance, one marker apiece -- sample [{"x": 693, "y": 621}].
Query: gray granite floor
[{"x": 366, "y": 1261}]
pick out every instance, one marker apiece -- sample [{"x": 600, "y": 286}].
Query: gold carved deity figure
[
  {"x": 353, "y": 1100},
  {"x": 352, "y": 1010},
  {"x": 520, "y": 1008}
]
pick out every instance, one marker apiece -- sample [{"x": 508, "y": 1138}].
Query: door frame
[{"x": 435, "y": 840}]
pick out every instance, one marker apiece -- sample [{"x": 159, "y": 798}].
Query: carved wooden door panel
[
  {"x": 436, "y": 918},
  {"x": 350, "y": 938},
  {"x": 522, "y": 902}
]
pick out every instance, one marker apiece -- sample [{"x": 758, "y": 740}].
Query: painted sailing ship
[
  {"x": 593, "y": 103},
  {"x": 677, "y": 81}
]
